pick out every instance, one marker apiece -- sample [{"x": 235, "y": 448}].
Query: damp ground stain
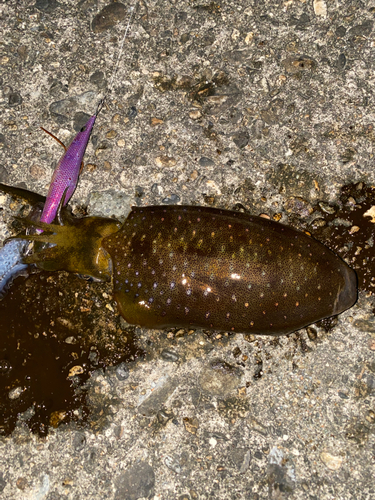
[{"x": 55, "y": 330}]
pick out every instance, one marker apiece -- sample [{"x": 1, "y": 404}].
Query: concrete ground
[{"x": 260, "y": 106}]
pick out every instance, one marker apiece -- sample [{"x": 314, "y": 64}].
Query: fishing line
[{"x": 115, "y": 69}]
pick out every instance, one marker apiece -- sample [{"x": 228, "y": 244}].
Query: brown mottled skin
[
  {"x": 195, "y": 266},
  {"x": 223, "y": 270}
]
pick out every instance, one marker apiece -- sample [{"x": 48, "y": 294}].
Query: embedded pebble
[
  {"x": 15, "y": 393},
  {"x": 173, "y": 199},
  {"x": 66, "y": 107},
  {"x": 46, "y": 5},
  {"x": 108, "y": 17},
  {"x": 195, "y": 114},
  {"x": 218, "y": 382},
  {"x": 172, "y": 464},
  {"x": 241, "y": 139},
  {"x": 14, "y": 99},
  {"x": 75, "y": 370},
  {"x": 122, "y": 371},
  {"x": 155, "y": 122},
  {"x": 328, "y": 209},
  {"x": 281, "y": 473},
  {"x": 332, "y": 462},
  {"x": 191, "y": 424},
  {"x": 206, "y": 162},
  {"x": 241, "y": 458},
  {"x": 165, "y": 161},
  {"x": 370, "y": 213},
  {"x": 79, "y": 441},
  {"x": 136, "y": 482},
  {"x": 155, "y": 400},
  {"x": 79, "y": 121},
  {"x": 320, "y": 8},
  {"x": 169, "y": 355}
]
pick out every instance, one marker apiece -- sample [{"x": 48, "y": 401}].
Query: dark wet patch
[
  {"x": 55, "y": 329},
  {"x": 349, "y": 233}
]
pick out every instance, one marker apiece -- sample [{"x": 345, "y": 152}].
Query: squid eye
[{"x": 83, "y": 128}]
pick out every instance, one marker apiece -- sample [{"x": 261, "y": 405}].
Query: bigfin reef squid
[{"x": 188, "y": 266}]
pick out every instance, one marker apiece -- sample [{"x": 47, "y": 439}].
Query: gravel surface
[{"x": 260, "y": 106}]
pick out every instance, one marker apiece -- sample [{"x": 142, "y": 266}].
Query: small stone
[
  {"x": 165, "y": 161},
  {"x": 191, "y": 424},
  {"x": 206, "y": 162},
  {"x": 370, "y": 213},
  {"x": 362, "y": 29},
  {"x": 67, "y": 107},
  {"x": 79, "y": 441},
  {"x": 171, "y": 200},
  {"x": 90, "y": 167},
  {"x": 249, "y": 37},
  {"x": 98, "y": 79},
  {"x": 326, "y": 207},
  {"x": 241, "y": 139},
  {"x": 37, "y": 172},
  {"x": 341, "y": 61},
  {"x": 353, "y": 229},
  {"x": 22, "y": 483},
  {"x": 154, "y": 122},
  {"x": 79, "y": 121},
  {"x": 172, "y": 464},
  {"x": 217, "y": 381},
  {"x": 249, "y": 337},
  {"x": 241, "y": 458},
  {"x": 255, "y": 425},
  {"x": 111, "y": 134},
  {"x": 320, "y": 8},
  {"x": 75, "y": 370},
  {"x": 15, "y": 393},
  {"x": 157, "y": 398},
  {"x": 108, "y": 17},
  {"x": 342, "y": 395},
  {"x": 318, "y": 223},
  {"x": 332, "y": 462},
  {"x": 46, "y": 5},
  {"x": 312, "y": 333},
  {"x": 169, "y": 355},
  {"x": 56, "y": 418},
  {"x": 122, "y": 371},
  {"x": 14, "y": 99},
  {"x": 136, "y": 482},
  {"x": 195, "y": 115}
]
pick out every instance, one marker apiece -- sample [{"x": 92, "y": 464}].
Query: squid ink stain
[{"x": 55, "y": 330}]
